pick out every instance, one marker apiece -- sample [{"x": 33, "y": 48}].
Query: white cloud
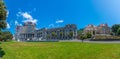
[
  {"x": 18, "y": 14},
  {"x": 59, "y": 21},
  {"x": 8, "y": 25},
  {"x": 51, "y": 25},
  {"x": 27, "y": 16},
  {"x": 30, "y": 20},
  {"x": 8, "y": 13},
  {"x": 16, "y": 22}
]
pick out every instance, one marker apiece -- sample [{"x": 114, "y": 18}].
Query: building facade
[
  {"x": 28, "y": 32},
  {"x": 102, "y": 29}
]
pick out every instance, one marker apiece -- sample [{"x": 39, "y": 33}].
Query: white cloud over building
[
  {"x": 27, "y": 17},
  {"x": 59, "y": 21}
]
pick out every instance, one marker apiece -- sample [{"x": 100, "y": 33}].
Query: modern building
[
  {"x": 28, "y": 32},
  {"x": 102, "y": 29}
]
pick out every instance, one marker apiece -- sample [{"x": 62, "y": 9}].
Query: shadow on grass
[{"x": 2, "y": 53}]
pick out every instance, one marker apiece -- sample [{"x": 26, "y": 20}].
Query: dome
[{"x": 29, "y": 23}]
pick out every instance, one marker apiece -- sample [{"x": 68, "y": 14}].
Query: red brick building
[{"x": 102, "y": 29}]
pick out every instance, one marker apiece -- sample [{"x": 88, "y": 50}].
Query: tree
[
  {"x": 54, "y": 34},
  {"x": 82, "y": 37},
  {"x": 48, "y": 36},
  {"x": 70, "y": 34},
  {"x": 3, "y": 14},
  {"x": 118, "y": 31},
  {"x": 3, "y": 25},
  {"x": 115, "y": 28},
  {"x": 80, "y": 31},
  {"x": 0, "y": 35},
  {"x": 6, "y": 35},
  {"x": 89, "y": 35},
  {"x": 61, "y": 34}
]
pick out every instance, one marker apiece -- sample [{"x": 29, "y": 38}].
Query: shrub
[{"x": 1, "y": 52}]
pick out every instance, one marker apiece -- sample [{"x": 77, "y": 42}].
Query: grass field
[{"x": 60, "y": 50}]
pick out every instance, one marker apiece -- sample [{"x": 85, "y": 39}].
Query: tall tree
[
  {"x": 115, "y": 28},
  {"x": 82, "y": 37},
  {"x": 7, "y": 35},
  {"x": 3, "y": 14},
  {"x": 118, "y": 32},
  {"x": 89, "y": 35}
]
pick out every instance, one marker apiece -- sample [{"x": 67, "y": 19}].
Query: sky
[{"x": 57, "y": 13}]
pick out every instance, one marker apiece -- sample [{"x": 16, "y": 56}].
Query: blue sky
[{"x": 56, "y": 13}]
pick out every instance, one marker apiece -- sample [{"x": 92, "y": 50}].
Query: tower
[{"x": 18, "y": 30}]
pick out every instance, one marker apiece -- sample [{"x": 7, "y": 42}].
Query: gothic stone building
[
  {"x": 102, "y": 29},
  {"x": 28, "y": 32}
]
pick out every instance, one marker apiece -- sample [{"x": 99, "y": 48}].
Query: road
[{"x": 87, "y": 41}]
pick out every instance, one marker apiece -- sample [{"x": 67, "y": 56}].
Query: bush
[{"x": 1, "y": 52}]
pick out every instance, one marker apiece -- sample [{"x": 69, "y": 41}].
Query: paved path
[
  {"x": 90, "y": 41},
  {"x": 102, "y": 41}
]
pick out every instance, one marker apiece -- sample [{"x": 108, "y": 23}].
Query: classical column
[
  {"x": 73, "y": 35},
  {"x": 24, "y": 36}
]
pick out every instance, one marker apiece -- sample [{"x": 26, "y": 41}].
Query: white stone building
[{"x": 27, "y": 32}]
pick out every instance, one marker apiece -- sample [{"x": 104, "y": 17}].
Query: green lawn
[{"x": 60, "y": 50}]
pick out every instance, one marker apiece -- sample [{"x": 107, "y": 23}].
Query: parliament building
[
  {"x": 28, "y": 32},
  {"x": 102, "y": 29}
]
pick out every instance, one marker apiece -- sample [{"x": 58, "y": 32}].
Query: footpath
[{"x": 88, "y": 41}]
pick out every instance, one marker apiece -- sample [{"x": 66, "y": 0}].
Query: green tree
[
  {"x": 48, "y": 36},
  {"x": 70, "y": 34},
  {"x": 89, "y": 35},
  {"x": 0, "y": 35},
  {"x": 118, "y": 32},
  {"x": 3, "y": 25},
  {"x": 82, "y": 37},
  {"x": 61, "y": 34},
  {"x": 3, "y": 14},
  {"x": 54, "y": 34},
  {"x": 115, "y": 28},
  {"x": 6, "y": 35}
]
